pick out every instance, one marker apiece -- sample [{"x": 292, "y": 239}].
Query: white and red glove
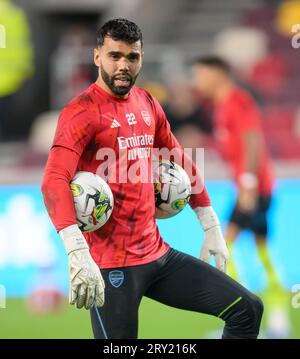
[
  {"x": 86, "y": 282},
  {"x": 214, "y": 242}
]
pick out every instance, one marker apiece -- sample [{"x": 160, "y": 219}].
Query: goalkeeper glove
[
  {"x": 86, "y": 282},
  {"x": 214, "y": 242}
]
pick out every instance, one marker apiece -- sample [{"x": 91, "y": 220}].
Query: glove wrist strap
[
  {"x": 207, "y": 217},
  {"x": 73, "y": 238}
]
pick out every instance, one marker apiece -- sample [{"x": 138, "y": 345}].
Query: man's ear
[{"x": 97, "y": 56}]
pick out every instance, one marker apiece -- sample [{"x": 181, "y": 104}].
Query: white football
[
  {"x": 172, "y": 188},
  {"x": 93, "y": 200}
]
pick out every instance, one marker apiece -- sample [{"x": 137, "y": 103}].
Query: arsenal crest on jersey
[{"x": 146, "y": 117}]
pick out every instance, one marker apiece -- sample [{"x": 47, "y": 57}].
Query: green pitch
[{"x": 156, "y": 321}]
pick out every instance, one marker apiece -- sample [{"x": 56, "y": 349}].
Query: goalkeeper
[{"x": 112, "y": 268}]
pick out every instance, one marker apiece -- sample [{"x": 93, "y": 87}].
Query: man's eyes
[
  {"x": 115, "y": 56},
  {"x": 131, "y": 58}
]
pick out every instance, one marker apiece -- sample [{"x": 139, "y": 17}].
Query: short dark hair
[
  {"x": 213, "y": 61},
  {"x": 120, "y": 29}
]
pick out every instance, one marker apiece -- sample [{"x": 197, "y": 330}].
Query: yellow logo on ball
[{"x": 76, "y": 189}]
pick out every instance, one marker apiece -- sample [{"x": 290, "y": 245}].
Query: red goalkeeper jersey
[{"x": 92, "y": 125}]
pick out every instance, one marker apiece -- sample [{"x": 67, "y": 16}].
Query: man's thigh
[
  {"x": 124, "y": 289},
  {"x": 188, "y": 283}
]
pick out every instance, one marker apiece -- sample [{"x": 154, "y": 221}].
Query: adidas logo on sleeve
[{"x": 115, "y": 124}]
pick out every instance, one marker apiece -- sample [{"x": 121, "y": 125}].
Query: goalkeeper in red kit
[{"x": 111, "y": 269}]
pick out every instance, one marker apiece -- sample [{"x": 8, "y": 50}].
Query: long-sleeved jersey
[{"x": 92, "y": 127}]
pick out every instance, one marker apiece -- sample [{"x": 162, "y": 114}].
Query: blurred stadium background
[{"x": 48, "y": 60}]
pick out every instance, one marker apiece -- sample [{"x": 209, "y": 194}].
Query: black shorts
[
  {"x": 256, "y": 221},
  {"x": 178, "y": 280}
]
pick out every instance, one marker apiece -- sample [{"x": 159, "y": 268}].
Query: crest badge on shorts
[
  {"x": 146, "y": 117},
  {"x": 116, "y": 278}
]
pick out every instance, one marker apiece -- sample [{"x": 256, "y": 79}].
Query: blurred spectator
[
  {"x": 42, "y": 132},
  {"x": 40, "y": 139},
  {"x": 188, "y": 121},
  {"x": 16, "y": 60},
  {"x": 297, "y": 123},
  {"x": 157, "y": 90},
  {"x": 241, "y": 46},
  {"x": 268, "y": 76},
  {"x": 72, "y": 65}
]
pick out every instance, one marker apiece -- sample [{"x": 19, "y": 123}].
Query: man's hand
[
  {"x": 86, "y": 282},
  {"x": 214, "y": 242}
]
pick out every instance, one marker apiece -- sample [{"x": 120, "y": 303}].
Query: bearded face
[{"x": 119, "y": 65}]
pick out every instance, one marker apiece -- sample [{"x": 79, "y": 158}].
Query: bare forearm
[{"x": 252, "y": 151}]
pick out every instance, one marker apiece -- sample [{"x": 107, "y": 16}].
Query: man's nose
[{"x": 123, "y": 64}]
